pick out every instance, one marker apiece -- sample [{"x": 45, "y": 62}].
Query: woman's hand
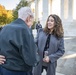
[
  {"x": 46, "y": 59},
  {"x": 2, "y": 59}
]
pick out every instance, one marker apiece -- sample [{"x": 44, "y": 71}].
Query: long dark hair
[{"x": 58, "y": 29}]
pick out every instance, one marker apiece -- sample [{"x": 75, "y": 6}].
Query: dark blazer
[
  {"x": 55, "y": 51},
  {"x": 17, "y": 45},
  {"x": 38, "y": 26}
]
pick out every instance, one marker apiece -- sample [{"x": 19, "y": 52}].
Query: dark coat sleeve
[{"x": 28, "y": 48}]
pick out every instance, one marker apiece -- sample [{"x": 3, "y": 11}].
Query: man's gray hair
[{"x": 24, "y": 12}]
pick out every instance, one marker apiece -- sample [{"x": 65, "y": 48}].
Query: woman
[{"x": 50, "y": 45}]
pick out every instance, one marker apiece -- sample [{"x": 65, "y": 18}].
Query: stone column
[
  {"x": 70, "y": 10},
  {"x": 50, "y": 7},
  {"x": 45, "y": 12},
  {"x": 36, "y": 10},
  {"x": 62, "y": 9}
]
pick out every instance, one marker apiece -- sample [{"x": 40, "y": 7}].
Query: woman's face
[{"x": 50, "y": 22}]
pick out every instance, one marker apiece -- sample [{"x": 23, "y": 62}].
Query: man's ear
[{"x": 27, "y": 19}]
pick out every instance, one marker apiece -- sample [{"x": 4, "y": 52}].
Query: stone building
[{"x": 64, "y": 8}]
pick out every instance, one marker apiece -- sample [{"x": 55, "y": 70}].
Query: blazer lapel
[{"x": 44, "y": 40}]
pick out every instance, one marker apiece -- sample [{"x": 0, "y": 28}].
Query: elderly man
[{"x": 17, "y": 45}]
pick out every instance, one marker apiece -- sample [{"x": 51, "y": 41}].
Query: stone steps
[{"x": 59, "y": 74}]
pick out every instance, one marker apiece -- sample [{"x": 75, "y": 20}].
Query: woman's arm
[{"x": 61, "y": 50}]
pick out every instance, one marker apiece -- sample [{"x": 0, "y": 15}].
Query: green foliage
[
  {"x": 15, "y": 14},
  {"x": 33, "y": 26},
  {"x": 21, "y": 4}
]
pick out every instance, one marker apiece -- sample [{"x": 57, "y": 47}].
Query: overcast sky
[{"x": 9, "y": 4}]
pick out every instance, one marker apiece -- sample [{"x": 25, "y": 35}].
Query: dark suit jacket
[
  {"x": 38, "y": 26},
  {"x": 17, "y": 45}
]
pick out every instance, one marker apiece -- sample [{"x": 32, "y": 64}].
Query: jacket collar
[{"x": 20, "y": 22}]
